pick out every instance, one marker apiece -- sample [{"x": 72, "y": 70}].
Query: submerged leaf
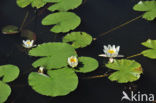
[
  {"x": 149, "y": 7},
  {"x": 10, "y": 29},
  {"x": 55, "y": 55},
  {"x": 62, "y": 21},
  {"x": 9, "y": 72},
  {"x": 35, "y": 3},
  {"x": 150, "y": 53},
  {"x": 63, "y": 5},
  {"x": 5, "y": 91},
  {"x": 28, "y": 34},
  {"x": 88, "y": 64},
  {"x": 78, "y": 39},
  {"x": 57, "y": 83},
  {"x": 126, "y": 70}
]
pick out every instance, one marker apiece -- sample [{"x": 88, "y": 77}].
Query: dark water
[{"x": 97, "y": 16}]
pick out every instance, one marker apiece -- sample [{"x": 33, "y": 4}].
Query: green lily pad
[
  {"x": 54, "y": 55},
  {"x": 150, "y": 44},
  {"x": 5, "y": 91},
  {"x": 149, "y": 7},
  {"x": 88, "y": 64},
  {"x": 9, "y": 72},
  {"x": 57, "y": 83},
  {"x": 62, "y": 21},
  {"x": 78, "y": 39},
  {"x": 150, "y": 53},
  {"x": 126, "y": 70},
  {"x": 35, "y": 3},
  {"x": 10, "y": 29},
  {"x": 63, "y": 5}
]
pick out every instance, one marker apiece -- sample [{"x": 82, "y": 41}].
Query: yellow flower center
[
  {"x": 111, "y": 51},
  {"x": 73, "y": 60},
  {"x": 28, "y": 42}
]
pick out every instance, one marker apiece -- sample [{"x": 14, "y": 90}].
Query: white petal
[
  {"x": 118, "y": 48},
  {"x": 24, "y": 41},
  {"x": 120, "y": 56},
  {"x": 102, "y": 55},
  {"x": 109, "y": 46},
  {"x": 113, "y": 47},
  {"x": 105, "y": 47}
]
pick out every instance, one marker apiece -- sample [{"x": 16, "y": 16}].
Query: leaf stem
[
  {"x": 24, "y": 20},
  {"x": 135, "y": 55},
  {"x": 38, "y": 14},
  {"x": 98, "y": 76},
  {"x": 119, "y": 26}
]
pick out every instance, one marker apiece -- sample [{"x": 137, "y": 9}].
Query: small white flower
[
  {"x": 73, "y": 61},
  {"x": 28, "y": 43},
  {"x": 140, "y": 2},
  {"x": 41, "y": 70},
  {"x": 111, "y": 52}
]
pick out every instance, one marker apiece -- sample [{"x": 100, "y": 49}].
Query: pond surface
[{"x": 97, "y": 16}]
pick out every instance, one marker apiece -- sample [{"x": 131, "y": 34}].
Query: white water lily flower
[
  {"x": 111, "y": 51},
  {"x": 28, "y": 43},
  {"x": 73, "y": 61},
  {"x": 41, "y": 70}
]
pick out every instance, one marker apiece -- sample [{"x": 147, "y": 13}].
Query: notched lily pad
[
  {"x": 125, "y": 70},
  {"x": 57, "y": 83},
  {"x": 34, "y": 3},
  {"x": 54, "y": 55},
  {"x": 5, "y": 91},
  {"x": 62, "y": 21},
  {"x": 63, "y": 5},
  {"x": 151, "y": 52},
  {"x": 78, "y": 39},
  {"x": 10, "y": 29},
  {"x": 9, "y": 73},
  {"x": 149, "y": 7},
  {"x": 88, "y": 64}
]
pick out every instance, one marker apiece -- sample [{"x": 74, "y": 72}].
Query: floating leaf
[
  {"x": 28, "y": 34},
  {"x": 62, "y": 21},
  {"x": 55, "y": 55},
  {"x": 149, "y": 7},
  {"x": 5, "y": 91},
  {"x": 150, "y": 53},
  {"x": 34, "y": 3},
  {"x": 58, "y": 82},
  {"x": 88, "y": 64},
  {"x": 150, "y": 44},
  {"x": 126, "y": 70},
  {"x": 63, "y": 5},
  {"x": 10, "y": 29},
  {"x": 78, "y": 39},
  {"x": 9, "y": 72}
]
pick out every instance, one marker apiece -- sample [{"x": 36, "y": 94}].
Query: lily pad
[
  {"x": 88, "y": 64},
  {"x": 35, "y": 3},
  {"x": 55, "y": 55},
  {"x": 57, "y": 83},
  {"x": 126, "y": 70},
  {"x": 62, "y": 21},
  {"x": 78, "y": 39},
  {"x": 9, "y": 72},
  {"x": 5, "y": 92},
  {"x": 150, "y": 53},
  {"x": 10, "y": 29},
  {"x": 149, "y": 7},
  {"x": 63, "y": 5}
]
